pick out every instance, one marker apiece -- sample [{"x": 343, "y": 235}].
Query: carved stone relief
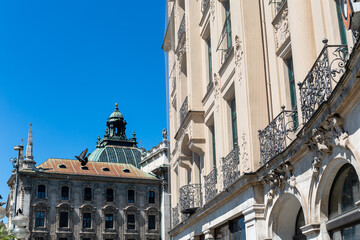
[
  {"x": 277, "y": 179},
  {"x": 244, "y": 153},
  {"x": 282, "y": 31},
  {"x": 212, "y": 10},
  {"x": 331, "y": 133},
  {"x": 217, "y": 91}
]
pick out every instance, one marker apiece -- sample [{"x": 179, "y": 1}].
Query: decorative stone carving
[
  {"x": 212, "y": 10},
  {"x": 282, "y": 31},
  {"x": 244, "y": 153},
  {"x": 238, "y": 51},
  {"x": 331, "y": 133},
  {"x": 277, "y": 178}
]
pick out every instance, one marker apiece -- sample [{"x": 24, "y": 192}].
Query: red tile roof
[{"x": 53, "y": 165}]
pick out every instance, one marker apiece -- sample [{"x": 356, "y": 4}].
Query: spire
[
  {"x": 28, "y": 163},
  {"x": 29, "y": 147}
]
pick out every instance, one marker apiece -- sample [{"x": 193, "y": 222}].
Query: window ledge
[{"x": 344, "y": 219}]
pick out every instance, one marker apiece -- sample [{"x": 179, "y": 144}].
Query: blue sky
[{"x": 63, "y": 66}]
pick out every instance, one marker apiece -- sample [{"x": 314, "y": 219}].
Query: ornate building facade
[
  {"x": 108, "y": 198},
  {"x": 156, "y": 161},
  {"x": 264, "y": 119}
]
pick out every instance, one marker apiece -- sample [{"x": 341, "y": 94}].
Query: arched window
[
  {"x": 343, "y": 212},
  {"x": 300, "y": 222}
]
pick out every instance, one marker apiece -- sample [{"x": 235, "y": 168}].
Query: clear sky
[{"x": 63, "y": 66}]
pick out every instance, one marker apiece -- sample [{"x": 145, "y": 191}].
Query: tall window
[
  {"x": 130, "y": 221},
  {"x": 109, "y": 195},
  {"x": 208, "y": 43},
  {"x": 65, "y": 193},
  {"x": 343, "y": 212},
  {"x": 40, "y": 219},
  {"x": 86, "y": 220},
  {"x": 87, "y": 194},
  {"x": 152, "y": 222},
  {"x": 151, "y": 197},
  {"x": 131, "y": 196},
  {"x": 41, "y": 192},
  {"x": 64, "y": 219},
  {"x": 290, "y": 67},
  {"x": 109, "y": 221},
  {"x": 228, "y": 24},
  {"x": 233, "y": 121}
]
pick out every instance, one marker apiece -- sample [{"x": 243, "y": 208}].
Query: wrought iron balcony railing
[
  {"x": 184, "y": 110},
  {"x": 182, "y": 28},
  {"x": 210, "y": 185},
  {"x": 230, "y": 167},
  {"x": 175, "y": 215},
  {"x": 190, "y": 198},
  {"x": 275, "y": 137},
  {"x": 204, "y": 5},
  {"x": 322, "y": 78}
]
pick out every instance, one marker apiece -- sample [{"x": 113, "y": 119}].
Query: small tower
[{"x": 28, "y": 163}]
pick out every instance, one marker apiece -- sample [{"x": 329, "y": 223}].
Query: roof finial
[{"x": 116, "y": 107}]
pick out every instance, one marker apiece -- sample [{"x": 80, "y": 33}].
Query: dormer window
[
  {"x": 84, "y": 168},
  {"x": 62, "y": 166},
  {"x": 105, "y": 169},
  {"x": 126, "y": 170}
]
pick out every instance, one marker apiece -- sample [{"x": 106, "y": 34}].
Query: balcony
[
  {"x": 230, "y": 167},
  {"x": 182, "y": 28},
  {"x": 204, "y": 5},
  {"x": 184, "y": 110},
  {"x": 175, "y": 216},
  {"x": 275, "y": 137},
  {"x": 190, "y": 198},
  {"x": 210, "y": 185},
  {"x": 322, "y": 78}
]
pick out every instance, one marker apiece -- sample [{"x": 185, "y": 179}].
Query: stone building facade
[
  {"x": 264, "y": 119},
  {"x": 108, "y": 198},
  {"x": 156, "y": 161}
]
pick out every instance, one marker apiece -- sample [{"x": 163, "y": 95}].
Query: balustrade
[
  {"x": 322, "y": 78},
  {"x": 273, "y": 139},
  {"x": 210, "y": 185},
  {"x": 230, "y": 167},
  {"x": 190, "y": 198},
  {"x": 184, "y": 110},
  {"x": 175, "y": 216},
  {"x": 182, "y": 28}
]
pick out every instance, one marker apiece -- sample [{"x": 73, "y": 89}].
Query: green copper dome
[
  {"x": 114, "y": 154},
  {"x": 116, "y": 113}
]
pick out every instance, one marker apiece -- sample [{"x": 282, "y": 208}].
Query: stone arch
[
  {"x": 326, "y": 179},
  {"x": 282, "y": 219}
]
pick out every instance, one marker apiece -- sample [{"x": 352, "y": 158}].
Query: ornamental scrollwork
[
  {"x": 277, "y": 178},
  {"x": 331, "y": 133}
]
